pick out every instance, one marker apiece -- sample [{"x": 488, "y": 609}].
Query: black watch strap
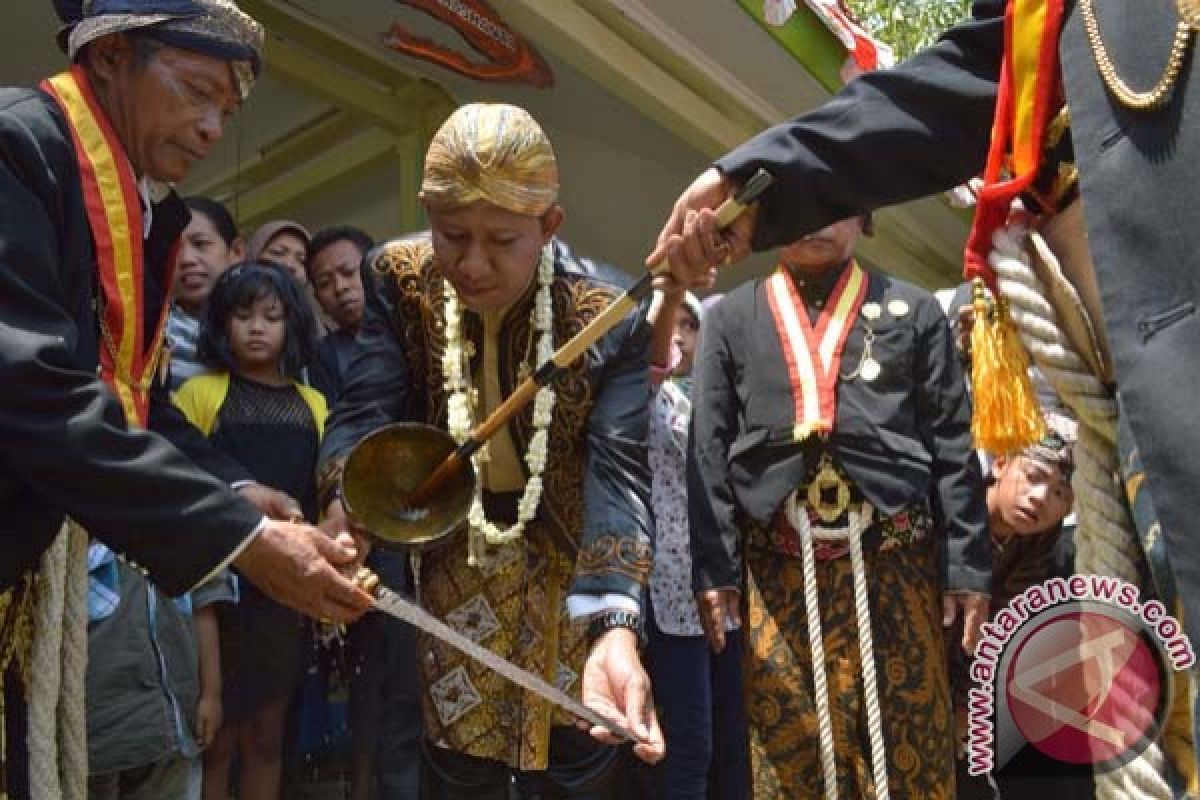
[{"x": 616, "y": 618}]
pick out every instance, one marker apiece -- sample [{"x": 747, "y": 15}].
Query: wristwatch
[{"x": 616, "y": 618}]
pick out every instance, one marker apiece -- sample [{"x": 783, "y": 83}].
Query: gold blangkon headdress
[{"x": 493, "y": 152}]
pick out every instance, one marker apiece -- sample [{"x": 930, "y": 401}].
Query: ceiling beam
[
  {"x": 398, "y": 112},
  {"x": 305, "y": 28},
  {"x": 277, "y": 157},
  {"x": 627, "y": 47},
  {"x": 640, "y": 24},
  {"x": 379, "y": 115},
  {"x": 584, "y": 41},
  {"x": 323, "y": 61},
  {"x": 364, "y": 152}
]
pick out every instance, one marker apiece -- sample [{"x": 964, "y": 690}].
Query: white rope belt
[{"x": 797, "y": 516}]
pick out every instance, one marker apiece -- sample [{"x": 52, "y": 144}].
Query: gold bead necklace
[{"x": 1189, "y": 23}]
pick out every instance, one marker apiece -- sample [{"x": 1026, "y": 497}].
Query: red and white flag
[{"x": 867, "y": 52}]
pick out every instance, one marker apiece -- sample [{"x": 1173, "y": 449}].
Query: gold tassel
[{"x": 1007, "y": 416}]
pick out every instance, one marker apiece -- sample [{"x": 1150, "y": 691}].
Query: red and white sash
[{"x": 814, "y": 357}]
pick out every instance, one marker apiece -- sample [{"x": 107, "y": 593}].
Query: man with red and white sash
[
  {"x": 831, "y": 466},
  {"x": 88, "y": 227}
]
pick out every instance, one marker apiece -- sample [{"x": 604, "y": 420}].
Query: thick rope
[
  {"x": 797, "y": 516},
  {"x": 1106, "y": 540},
  {"x": 46, "y": 679},
  {"x": 866, "y": 647},
  {"x": 57, "y": 722},
  {"x": 72, "y": 709},
  {"x": 816, "y": 643}
]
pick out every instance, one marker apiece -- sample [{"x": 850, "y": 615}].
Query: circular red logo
[{"x": 1088, "y": 687}]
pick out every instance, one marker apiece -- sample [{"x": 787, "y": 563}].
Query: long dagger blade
[{"x": 397, "y": 606}]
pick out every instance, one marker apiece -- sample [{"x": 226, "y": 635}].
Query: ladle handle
[{"x": 569, "y": 352}]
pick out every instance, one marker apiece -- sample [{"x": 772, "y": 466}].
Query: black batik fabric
[{"x": 903, "y": 580}]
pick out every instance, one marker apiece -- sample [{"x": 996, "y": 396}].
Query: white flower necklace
[{"x": 456, "y": 375}]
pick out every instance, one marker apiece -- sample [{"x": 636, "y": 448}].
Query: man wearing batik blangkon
[
  {"x": 1029, "y": 499},
  {"x": 562, "y": 535},
  {"x": 88, "y": 226},
  {"x": 830, "y": 409}
]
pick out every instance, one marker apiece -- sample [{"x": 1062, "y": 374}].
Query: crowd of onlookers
[{"x": 224, "y": 691}]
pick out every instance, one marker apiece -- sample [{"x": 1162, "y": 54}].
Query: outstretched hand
[
  {"x": 617, "y": 688},
  {"x": 690, "y": 240},
  {"x": 298, "y": 566}
]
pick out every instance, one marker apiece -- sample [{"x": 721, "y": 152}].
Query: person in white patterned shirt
[{"x": 698, "y": 691}]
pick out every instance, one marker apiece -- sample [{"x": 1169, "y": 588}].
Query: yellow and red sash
[
  {"x": 1026, "y": 101},
  {"x": 1006, "y": 415},
  {"x": 814, "y": 356},
  {"x": 114, "y": 214}
]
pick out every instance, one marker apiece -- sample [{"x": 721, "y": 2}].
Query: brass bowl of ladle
[{"x": 381, "y": 472}]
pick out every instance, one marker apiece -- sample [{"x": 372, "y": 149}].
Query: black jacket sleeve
[
  {"x": 615, "y": 545},
  {"x": 887, "y": 137},
  {"x": 957, "y": 491},
  {"x": 62, "y": 433},
  {"x": 716, "y": 553}
]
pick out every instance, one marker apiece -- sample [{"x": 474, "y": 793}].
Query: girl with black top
[{"x": 258, "y": 333}]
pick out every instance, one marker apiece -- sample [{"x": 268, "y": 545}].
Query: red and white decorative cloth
[{"x": 866, "y": 51}]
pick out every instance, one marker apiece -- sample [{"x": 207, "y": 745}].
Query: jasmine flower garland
[{"x": 463, "y": 398}]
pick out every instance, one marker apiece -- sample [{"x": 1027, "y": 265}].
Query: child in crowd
[
  {"x": 699, "y": 691},
  {"x": 283, "y": 243},
  {"x": 210, "y": 245},
  {"x": 1029, "y": 498},
  {"x": 258, "y": 333}
]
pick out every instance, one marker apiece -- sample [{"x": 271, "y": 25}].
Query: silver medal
[{"x": 870, "y": 370}]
